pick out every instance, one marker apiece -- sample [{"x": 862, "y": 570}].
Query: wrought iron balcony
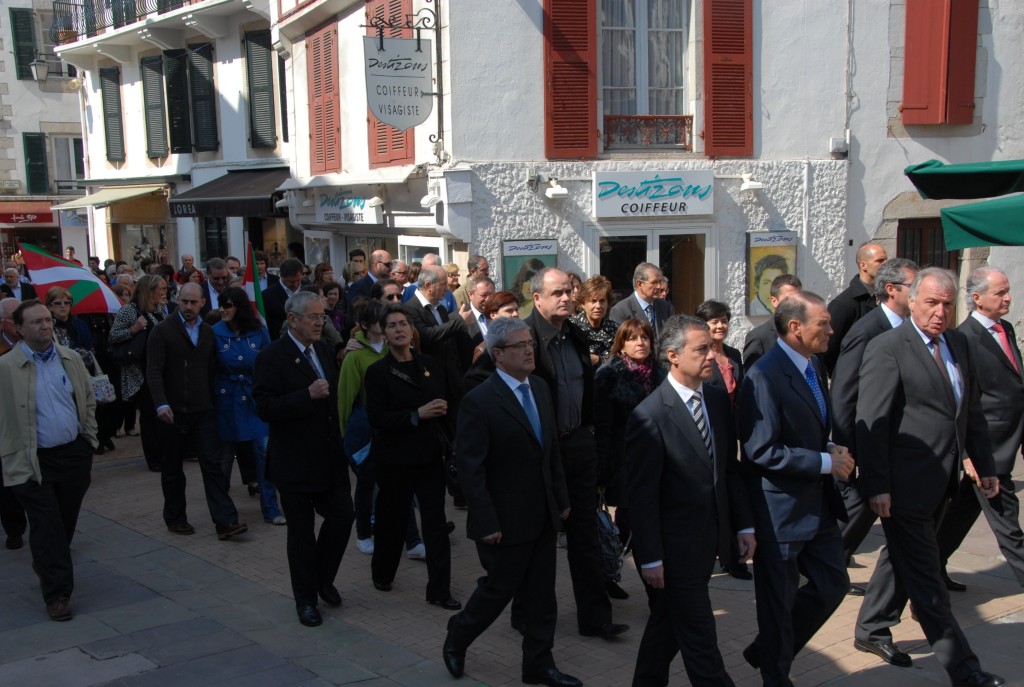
[
  {"x": 648, "y": 131},
  {"x": 75, "y": 21}
]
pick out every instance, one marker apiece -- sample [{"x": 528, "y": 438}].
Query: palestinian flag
[
  {"x": 251, "y": 284},
  {"x": 89, "y": 293}
]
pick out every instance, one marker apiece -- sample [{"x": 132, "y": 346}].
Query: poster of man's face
[{"x": 764, "y": 264}]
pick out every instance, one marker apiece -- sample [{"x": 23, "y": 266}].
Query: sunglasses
[
  {"x": 61, "y": 303},
  {"x": 392, "y": 297}
]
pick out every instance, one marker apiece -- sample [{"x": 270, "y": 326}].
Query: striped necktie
[{"x": 697, "y": 409}]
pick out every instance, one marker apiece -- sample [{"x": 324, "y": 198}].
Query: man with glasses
[
  {"x": 386, "y": 291},
  {"x": 400, "y": 272},
  {"x": 476, "y": 267},
  {"x": 645, "y": 303},
  {"x": 218, "y": 278},
  {"x": 380, "y": 268}
]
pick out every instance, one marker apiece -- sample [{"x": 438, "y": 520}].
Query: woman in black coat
[{"x": 407, "y": 410}]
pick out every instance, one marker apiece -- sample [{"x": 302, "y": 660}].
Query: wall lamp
[
  {"x": 556, "y": 190},
  {"x": 283, "y": 204},
  {"x": 374, "y": 202},
  {"x": 432, "y": 198},
  {"x": 40, "y": 68},
  {"x": 749, "y": 184}
]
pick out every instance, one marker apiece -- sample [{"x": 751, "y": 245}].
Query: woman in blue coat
[{"x": 239, "y": 339}]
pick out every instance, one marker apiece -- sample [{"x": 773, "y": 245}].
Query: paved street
[{"x": 152, "y": 608}]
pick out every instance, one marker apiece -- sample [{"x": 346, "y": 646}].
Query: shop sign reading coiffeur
[
  {"x": 656, "y": 193},
  {"x": 342, "y": 206},
  {"x": 399, "y": 80}
]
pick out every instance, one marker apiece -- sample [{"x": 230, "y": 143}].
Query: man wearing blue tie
[{"x": 788, "y": 465}]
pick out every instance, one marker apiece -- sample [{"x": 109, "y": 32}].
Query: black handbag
[
  {"x": 613, "y": 551},
  {"x": 130, "y": 351}
]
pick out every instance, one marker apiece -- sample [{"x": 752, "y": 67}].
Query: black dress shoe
[
  {"x": 606, "y": 631},
  {"x": 740, "y": 572},
  {"x": 552, "y": 677},
  {"x": 450, "y": 526},
  {"x": 329, "y": 593},
  {"x": 448, "y": 604},
  {"x": 856, "y": 590},
  {"x": 108, "y": 444},
  {"x": 615, "y": 591},
  {"x": 752, "y": 656},
  {"x": 181, "y": 528},
  {"x": 382, "y": 586},
  {"x": 518, "y": 626},
  {"x": 454, "y": 659},
  {"x": 886, "y": 651},
  {"x": 309, "y": 616},
  {"x": 14, "y": 542},
  {"x": 99, "y": 450},
  {"x": 979, "y": 678},
  {"x": 953, "y": 585}
]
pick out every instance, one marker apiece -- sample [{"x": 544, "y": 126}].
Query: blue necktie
[
  {"x": 530, "y": 409},
  {"x": 312, "y": 362},
  {"x": 649, "y": 311},
  {"x": 812, "y": 380}
]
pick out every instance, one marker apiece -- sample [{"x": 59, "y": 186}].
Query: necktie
[
  {"x": 1004, "y": 341},
  {"x": 312, "y": 362},
  {"x": 937, "y": 357},
  {"x": 530, "y": 409},
  {"x": 812, "y": 380},
  {"x": 702, "y": 423},
  {"x": 649, "y": 310}
]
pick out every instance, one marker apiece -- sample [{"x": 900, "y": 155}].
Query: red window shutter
[
  {"x": 939, "y": 59},
  {"x": 570, "y": 79},
  {"x": 963, "y": 54},
  {"x": 728, "y": 78},
  {"x": 324, "y": 100},
  {"x": 388, "y": 145}
]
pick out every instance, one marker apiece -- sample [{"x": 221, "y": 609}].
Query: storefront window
[
  {"x": 141, "y": 241},
  {"x": 214, "y": 241}
]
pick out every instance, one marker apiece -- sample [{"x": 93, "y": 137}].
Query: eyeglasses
[
  {"x": 61, "y": 303},
  {"x": 392, "y": 297},
  {"x": 521, "y": 346},
  {"x": 313, "y": 317},
  {"x": 902, "y": 283},
  {"x": 227, "y": 306}
]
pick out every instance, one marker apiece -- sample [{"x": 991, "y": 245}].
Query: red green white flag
[
  {"x": 89, "y": 293},
  {"x": 251, "y": 284}
]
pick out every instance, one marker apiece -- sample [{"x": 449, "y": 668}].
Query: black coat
[
  {"x": 546, "y": 364},
  {"x": 846, "y": 377},
  {"x": 28, "y": 292},
  {"x": 852, "y": 304},
  {"x": 449, "y": 344},
  {"x": 759, "y": 341},
  {"x": 274, "y": 299}
]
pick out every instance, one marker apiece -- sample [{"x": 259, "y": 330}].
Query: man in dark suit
[
  {"x": 683, "y": 482},
  {"x": 180, "y": 360},
  {"x": 296, "y": 392},
  {"x": 478, "y": 289},
  {"x": 918, "y": 411},
  {"x": 643, "y": 303},
  {"x": 892, "y": 289},
  {"x": 380, "y": 268},
  {"x": 563, "y": 361},
  {"x": 13, "y": 287},
  {"x": 789, "y": 464},
  {"x": 278, "y": 294},
  {"x": 762, "y": 338},
  {"x": 997, "y": 363},
  {"x": 855, "y": 302},
  {"x": 512, "y": 477},
  {"x": 218, "y": 276}
]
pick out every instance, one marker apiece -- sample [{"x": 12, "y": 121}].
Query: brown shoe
[
  {"x": 181, "y": 528},
  {"x": 228, "y": 531},
  {"x": 59, "y": 610}
]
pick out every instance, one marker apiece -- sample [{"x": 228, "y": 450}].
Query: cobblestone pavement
[{"x": 153, "y": 608}]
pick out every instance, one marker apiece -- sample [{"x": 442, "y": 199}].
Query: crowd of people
[{"x": 532, "y": 407}]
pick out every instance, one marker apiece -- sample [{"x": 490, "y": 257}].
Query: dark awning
[
  {"x": 998, "y": 222},
  {"x": 938, "y": 181},
  {"x": 246, "y": 193}
]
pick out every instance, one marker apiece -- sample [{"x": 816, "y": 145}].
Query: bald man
[
  {"x": 855, "y": 302},
  {"x": 379, "y": 268}
]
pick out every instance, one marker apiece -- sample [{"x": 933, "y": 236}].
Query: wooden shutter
[
  {"x": 37, "y": 178},
  {"x": 939, "y": 61},
  {"x": 388, "y": 145},
  {"x": 728, "y": 78},
  {"x": 260, "y": 71},
  {"x": 153, "y": 105},
  {"x": 23, "y": 32},
  {"x": 570, "y": 79},
  {"x": 283, "y": 97},
  {"x": 179, "y": 109},
  {"x": 110, "y": 88},
  {"x": 324, "y": 100},
  {"x": 204, "y": 97}
]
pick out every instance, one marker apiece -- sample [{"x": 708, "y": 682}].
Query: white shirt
[
  {"x": 894, "y": 319},
  {"x": 801, "y": 365},
  {"x": 433, "y": 308},
  {"x": 480, "y": 318},
  {"x": 643, "y": 304}
]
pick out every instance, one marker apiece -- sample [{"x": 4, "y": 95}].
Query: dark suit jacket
[
  {"x": 846, "y": 377},
  {"x": 759, "y": 341},
  {"x": 212, "y": 299},
  {"x": 546, "y": 364},
  {"x": 846, "y": 308},
  {"x": 737, "y": 372},
  {"x": 304, "y": 452},
  {"x": 28, "y": 292},
  {"x": 1002, "y": 391},
  {"x": 274, "y": 299},
  {"x": 178, "y": 373},
  {"x": 783, "y": 437},
  {"x": 630, "y": 307},
  {"x": 447, "y": 343},
  {"x": 512, "y": 482},
  {"x": 910, "y": 434},
  {"x": 678, "y": 496}
]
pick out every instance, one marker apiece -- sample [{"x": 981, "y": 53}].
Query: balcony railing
[
  {"x": 74, "y": 21},
  {"x": 648, "y": 131}
]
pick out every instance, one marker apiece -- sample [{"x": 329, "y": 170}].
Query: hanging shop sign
[
  {"x": 664, "y": 193},
  {"x": 342, "y": 206},
  {"x": 399, "y": 80}
]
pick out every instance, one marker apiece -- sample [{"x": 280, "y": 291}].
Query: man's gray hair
[
  {"x": 537, "y": 281},
  {"x": 946, "y": 279},
  {"x": 215, "y": 264},
  {"x": 794, "y": 307},
  {"x": 499, "y": 332},
  {"x": 643, "y": 269},
  {"x": 298, "y": 303},
  {"x": 477, "y": 281},
  {"x": 7, "y": 307},
  {"x": 674, "y": 331},
  {"x": 475, "y": 262},
  {"x": 430, "y": 275},
  {"x": 977, "y": 282},
  {"x": 892, "y": 272}
]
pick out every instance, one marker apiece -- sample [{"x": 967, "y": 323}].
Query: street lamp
[{"x": 40, "y": 68}]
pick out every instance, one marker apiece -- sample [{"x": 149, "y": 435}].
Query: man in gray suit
[
  {"x": 918, "y": 411},
  {"x": 644, "y": 303}
]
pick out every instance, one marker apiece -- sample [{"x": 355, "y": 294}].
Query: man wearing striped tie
[{"x": 683, "y": 486}]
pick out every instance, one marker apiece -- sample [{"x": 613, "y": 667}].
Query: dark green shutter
[
  {"x": 79, "y": 149},
  {"x": 179, "y": 112},
  {"x": 153, "y": 102},
  {"x": 283, "y": 96},
  {"x": 36, "y": 176},
  {"x": 110, "y": 86},
  {"x": 24, "y": 33},
  {"x": 204, "y": 97},
  {"x": 259, "y": 57}
]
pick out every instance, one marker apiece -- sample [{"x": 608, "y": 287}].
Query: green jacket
[{"x": 350, "y": 381}]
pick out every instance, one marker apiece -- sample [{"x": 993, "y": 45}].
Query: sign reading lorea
[
  {"x": 399, "y": 80},
  {"x": 662, "y": 193}
]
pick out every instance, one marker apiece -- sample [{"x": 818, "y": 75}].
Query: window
[
  {"x": 69, "y": 163},
  {"x": 388, "y": 145},
  {"x": 260, "y": 72},
  {"x": 215, "y": 239},
  {"x": 57, "y": 67},
  {"x": 204, "y": 97},
  {"x": 643, "y": 72},
  {"x": 940, "y": 52},
  {"x": 728, "y": 78},
  {"x": 153, "y": 106},
  {"x": 23, "y": 32},
  {"x": 922, "y": 240},
  {"x": 37, "y": 177},
  {"x": 324, "y": 100},
  {"x": 110, "y": 89},
  {"x": 283, "y": 96},
  {"x": 179, "y": 110},
  {"x": 570, "y": 68}
]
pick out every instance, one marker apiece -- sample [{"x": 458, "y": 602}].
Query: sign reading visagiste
[
  {"x": 399, "y": 80},
  {"x": 662, "y": 193}
]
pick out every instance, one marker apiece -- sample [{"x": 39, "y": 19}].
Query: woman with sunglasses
[{"x": 240, "y": 337}]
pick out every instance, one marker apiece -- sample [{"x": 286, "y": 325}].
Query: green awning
[
  {"x": 938, "y": 181},
  {"x": 998, "y": 222}
]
